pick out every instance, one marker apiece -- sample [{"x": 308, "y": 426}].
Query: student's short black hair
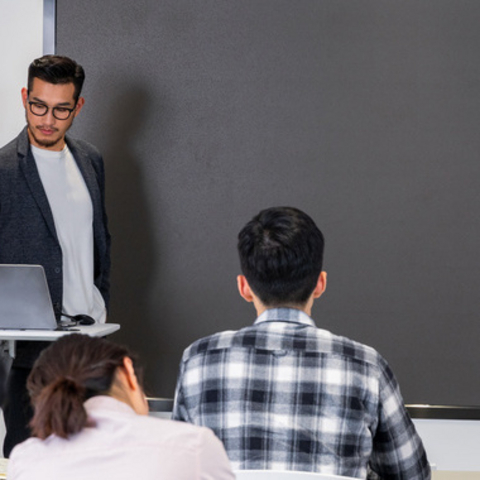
[
  {"x": 281, "y": 255},
  {"x": 57, "y": 69}
]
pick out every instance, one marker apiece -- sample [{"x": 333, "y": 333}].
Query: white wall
[
  {"x": 451, "y": 444},
  {"x": 21, "y": 40}
]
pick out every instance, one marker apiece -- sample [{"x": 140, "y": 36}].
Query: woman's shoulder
[{"x": 183, "y": 434}]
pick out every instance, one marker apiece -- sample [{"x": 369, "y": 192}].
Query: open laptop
[{"x": 25, "y": 301}]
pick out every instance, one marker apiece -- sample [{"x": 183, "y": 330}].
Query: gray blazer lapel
[{"x": 29, "y": 169}]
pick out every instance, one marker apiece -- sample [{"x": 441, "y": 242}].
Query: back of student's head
[
  {"x": 281, "y": 254},
  {"x": 57, "y": 69},
  {"x": 68, "y": 372}
]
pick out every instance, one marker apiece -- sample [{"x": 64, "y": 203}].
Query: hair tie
[
  {"x": 71, "y": 383},
  {"x": 71, "y": 379}
]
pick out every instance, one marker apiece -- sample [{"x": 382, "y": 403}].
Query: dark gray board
[{"x": 363, "y": 113}]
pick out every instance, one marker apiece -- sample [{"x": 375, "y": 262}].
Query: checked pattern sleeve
[{"x": 398, "y": 452}]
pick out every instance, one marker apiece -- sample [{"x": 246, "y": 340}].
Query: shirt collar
[
  {"x": 106, "y": 402},
  {"x": 291, "y": 315}
]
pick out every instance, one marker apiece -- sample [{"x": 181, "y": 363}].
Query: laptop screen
[{"x": 25, "y": 301}]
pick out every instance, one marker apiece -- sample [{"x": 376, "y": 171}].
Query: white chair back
[{"x": 285, "y": 475}]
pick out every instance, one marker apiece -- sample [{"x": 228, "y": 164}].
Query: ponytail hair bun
[{"x": 59, "y": 409}]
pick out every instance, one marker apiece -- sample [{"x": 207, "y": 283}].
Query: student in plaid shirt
[{"x": 284, "y": 394}]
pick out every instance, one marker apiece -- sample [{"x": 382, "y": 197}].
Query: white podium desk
[
  {"x": 437, "y": 475},
  {"x": 96, "y": 330}
]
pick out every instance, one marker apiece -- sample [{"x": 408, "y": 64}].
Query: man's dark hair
[
  {"x": 281, "y": 254},
  {"x": 57, "y": 69}
]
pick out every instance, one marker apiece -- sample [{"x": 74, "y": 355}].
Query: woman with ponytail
[{"x": 90, "y": 422}]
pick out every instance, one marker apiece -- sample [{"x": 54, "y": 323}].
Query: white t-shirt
[{"x": 72, "y": 212}]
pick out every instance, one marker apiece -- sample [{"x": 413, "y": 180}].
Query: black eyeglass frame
[{"x": 54, "y": 110}]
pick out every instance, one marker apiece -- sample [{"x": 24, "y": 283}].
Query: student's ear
[
  {"x": 129, "y": 372},
  {"x": 244, "y": 288},
  {"x": 321, "y": 285},
  {"x": 134, "y": 392}
]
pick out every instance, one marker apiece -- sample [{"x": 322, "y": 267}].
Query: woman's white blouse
[{"x": 122, "y": 445}]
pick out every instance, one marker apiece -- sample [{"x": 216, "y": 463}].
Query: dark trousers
[{"x": 17, "y": 411}]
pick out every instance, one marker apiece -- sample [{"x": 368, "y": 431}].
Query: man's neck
[{"x": 261, "y": 308}]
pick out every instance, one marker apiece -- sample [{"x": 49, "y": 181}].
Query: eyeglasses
[{"x": 40, "y": 109}]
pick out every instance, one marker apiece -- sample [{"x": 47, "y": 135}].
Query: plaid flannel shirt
[{"x": 283, "y": 394}]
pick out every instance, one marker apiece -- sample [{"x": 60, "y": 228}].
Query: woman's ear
[
  {"x": 129, "y": 372},
  {"x": 129, "y": 389}
]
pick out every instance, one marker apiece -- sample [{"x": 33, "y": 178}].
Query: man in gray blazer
[{"x": 52, "y": 213}]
